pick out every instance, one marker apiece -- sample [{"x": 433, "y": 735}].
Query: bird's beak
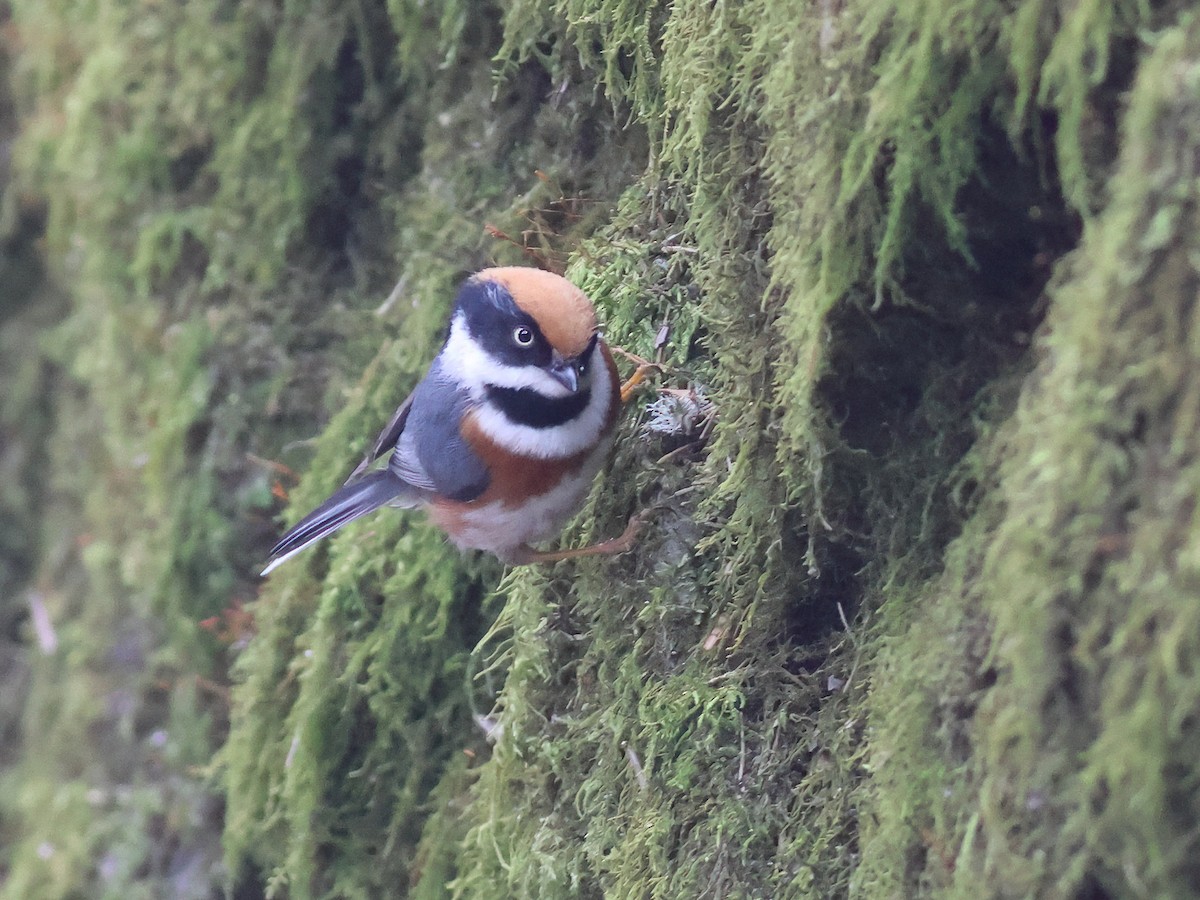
[{"x": 566, "y": 373}]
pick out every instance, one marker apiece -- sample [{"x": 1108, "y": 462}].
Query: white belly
[{"x": 500, "y": 528}]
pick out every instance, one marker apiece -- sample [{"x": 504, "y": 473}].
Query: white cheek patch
[
  {"x": 557, "y": 441},
  {"x": 475, "y": 368}
]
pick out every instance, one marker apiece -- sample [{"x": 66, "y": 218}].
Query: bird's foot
[
  {"x": 640, "y": 374},
  {"x": 526, "y": 555}
]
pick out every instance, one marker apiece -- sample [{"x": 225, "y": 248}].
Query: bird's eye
[{"x": 523, "y": 336}]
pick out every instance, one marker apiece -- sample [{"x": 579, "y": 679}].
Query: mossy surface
[{"x": 912, "y": 613}]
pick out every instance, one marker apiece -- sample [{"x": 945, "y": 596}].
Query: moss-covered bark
[{"x": 913, "y": 615}]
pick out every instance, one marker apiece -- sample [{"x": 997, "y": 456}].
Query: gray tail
[{"x": 347, "y": 503}]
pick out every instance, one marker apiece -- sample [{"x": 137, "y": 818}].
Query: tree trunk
[{"x": 916, "y": 610}]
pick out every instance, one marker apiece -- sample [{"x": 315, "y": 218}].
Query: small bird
[{"x": 502, "y": 438}]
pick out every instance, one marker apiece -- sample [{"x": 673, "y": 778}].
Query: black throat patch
[{"x": 525, "y": 406}]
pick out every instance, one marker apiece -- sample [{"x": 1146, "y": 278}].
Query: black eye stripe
[{"x": 493, "y": 319}]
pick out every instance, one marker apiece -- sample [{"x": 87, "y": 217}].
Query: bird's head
[
  {"x": 523, "y": 344},
  {"x": 525, "y": 330}
]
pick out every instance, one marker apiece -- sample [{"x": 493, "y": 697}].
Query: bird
[{"x": 502, "y": 438}]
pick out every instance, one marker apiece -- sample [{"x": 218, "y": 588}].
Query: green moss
[
  {"x": 1096, "y": 614},
  {"x": 187, "y": 157},
  {"x": 365, "y": 674},
  {"x": 903, "y": 621},
  {"x": 1009, "y": 747}
]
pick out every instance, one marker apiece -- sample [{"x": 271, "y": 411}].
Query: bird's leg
[
  {"x": 525, "y": 555},
  {"x": 644, "y": 368},
  {"x": 638, "y": 376}
]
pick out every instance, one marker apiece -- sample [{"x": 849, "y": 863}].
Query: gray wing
[
  {"x": 430, "y": 451},
  {"x": 387, "y": 438}
]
